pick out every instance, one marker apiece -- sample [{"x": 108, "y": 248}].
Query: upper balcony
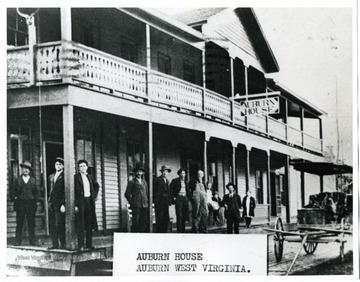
[{"x": 69, "y": 62}]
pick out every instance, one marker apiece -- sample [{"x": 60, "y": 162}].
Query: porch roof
[
  {"x": 323, "y": 168},
  {"x": 293, "y": 97},
  {"x": 155, "y": 17}
]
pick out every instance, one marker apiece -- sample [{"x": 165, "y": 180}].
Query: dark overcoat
[
  {"x": 137, "y": 194},
  {"x": 79, "y": 200},
  {"x": 252, "y": 206},
  {"x": 57, "y": 192},
  {"x": 161, "y": 190},
  {"x": 235, "y": 209}
]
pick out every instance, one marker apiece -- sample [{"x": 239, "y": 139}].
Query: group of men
[
  {"x": 181, "y": 193},
  {"x": 178, "y": 192},
  {"x": 25, "y": 195}
]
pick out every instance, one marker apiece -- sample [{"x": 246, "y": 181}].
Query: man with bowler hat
[
  {"x": 86, "y": 191},
  {"x": 180, "y": 195},
  {"x": 25, "y": 195},
  {"x": 232, "y": 204},
  {"x": 162, "y": 200},
  {"x": 56, "y": 204},
  {"x": 137, "y": 195}
]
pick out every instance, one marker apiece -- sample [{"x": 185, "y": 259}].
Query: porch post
[
  {"x": 268, "y": 185},
  {"x": 203, "y": 57},
  {"x": 150, "y": 172},
  {"x": 232, "y": 90},
  {"x": 321, "y": 134},
  {"x": 148, "y": 61},
  {"x": 205, "y": 161},
  {"x": 66, "y": 32},
  {"x": 246, "y": 91},
  {"x": 69, "y": 168},
  {"x": 302, "y": 126},
  {"x": 234, "y": 178},
  {"x": 302, "y": 183},
  {"x": 248, "y": 168},
  {"x": 287, "y": 188},
  {"x": 321, "y": 183},
  {"x": 286, "y": 120}
]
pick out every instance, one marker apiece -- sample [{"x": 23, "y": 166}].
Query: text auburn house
[{"x": 118, "y": 86}]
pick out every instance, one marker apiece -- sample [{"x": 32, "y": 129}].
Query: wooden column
[
  {"x": 246, "y": 91},
  {"x": 205, "y": 161},
  {"x": 232, "y": 90},
  {"x": 234, "y": 178},
  {"x": 148, "y": 60},
  {"x": 32, "y": 55},
  {"x": 321, "y": 183},
  {"x": 286, "y": 120},
  {"x": 69, "y": 169},
  {"x": 248, "y": 168},
  {"x": 103, "y": 194},
  {"x": 321, "y": 134},
  {"x": 268, "y": 168},
  {"x": 65, "y": 19},
  {"x": 149, "y": 162},
  {"x": 302, "y": 183},
  {"x": 302, "y": 126},
  {"x": 287, "y": 188},
  {"x": 204, "y": 78}
]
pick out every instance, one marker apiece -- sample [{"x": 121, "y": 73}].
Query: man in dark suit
[
  {"x": 56, "y": 204},
  {"x": 86, "y": 190},
  {"x": 162, "y": 200},
  {"x": 248, "y": 208},
  {"x": 137, "y": 195},
  {"x": 232, "y": 204},
  {"x": 180, "y": 194},
  {"x": 25, "y": 195}
]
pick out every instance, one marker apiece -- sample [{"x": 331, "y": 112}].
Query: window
[
  {"x": 259, "y": 187},
  {"x": 164, "y": 63},
  {"x": 129, "y": 50},
  {"x": 17, "y": 34},
  {"x": 85, "y": 151},
  {"x": 135, "y": 155},
  {"x": 189, "y": 71}
]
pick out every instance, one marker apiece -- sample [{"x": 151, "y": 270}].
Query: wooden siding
[{"x": 99, "y": 202}]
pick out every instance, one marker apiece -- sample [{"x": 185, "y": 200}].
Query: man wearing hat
[
  {"x": 86, "y": 190},
  {"x": 180, "y": 195},
  {"x": 162, "y": 200},
  {"x": 232, "y": 204},
  {"x": 56, "y": 204},
  {"x": 25, "y": 196},
  {"x": 137, "y": 195}
]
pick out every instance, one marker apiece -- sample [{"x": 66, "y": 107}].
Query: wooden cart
[{"x": 312, "y": 230}]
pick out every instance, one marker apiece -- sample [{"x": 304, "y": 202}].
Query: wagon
[{"x": 309, "y": 234}]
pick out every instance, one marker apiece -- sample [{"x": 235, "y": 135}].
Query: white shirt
[
  {"x": 86, "y": 185},
  {"x": 26, "y": 178}
]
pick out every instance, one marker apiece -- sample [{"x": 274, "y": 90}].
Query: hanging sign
[{"x": 261, "y": 106}]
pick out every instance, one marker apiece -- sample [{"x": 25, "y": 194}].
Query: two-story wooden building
[{"x": 118, "y": 86}]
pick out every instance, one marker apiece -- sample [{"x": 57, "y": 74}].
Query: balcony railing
[{"x": 74, "y": 63}]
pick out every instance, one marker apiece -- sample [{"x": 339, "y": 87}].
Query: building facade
[{"x": 120, "y": 86}]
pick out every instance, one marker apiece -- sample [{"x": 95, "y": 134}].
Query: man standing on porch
[
  {"x": 86, "y": 190},
  {"x": 137, "y": 195},
  {"x": 180, "y": 196},
  {"x": 199, "y": 203},
  {"x": 162, "y": 200},
  {"x": 25, "y": 196},
  {"x": 56, "y": 203}
]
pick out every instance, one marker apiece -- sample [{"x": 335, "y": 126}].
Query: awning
[{"x": 322, "y": 168}]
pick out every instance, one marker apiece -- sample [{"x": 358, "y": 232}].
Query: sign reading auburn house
[{"x": 269, "y": 105}]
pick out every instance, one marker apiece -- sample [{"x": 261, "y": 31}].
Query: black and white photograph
[{"x": 146, "y": 142}]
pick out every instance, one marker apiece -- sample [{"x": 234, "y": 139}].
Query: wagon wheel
[
  {"x": 310, "y": 247},
  {"x": 278, "y": 239}
]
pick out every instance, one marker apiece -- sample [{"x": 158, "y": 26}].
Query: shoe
[
  {"x": 53, "y": 247},
  {"x": 81, "y": 249}
]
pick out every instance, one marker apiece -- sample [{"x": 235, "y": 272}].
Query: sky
[{"x": 314, "y": 49}]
